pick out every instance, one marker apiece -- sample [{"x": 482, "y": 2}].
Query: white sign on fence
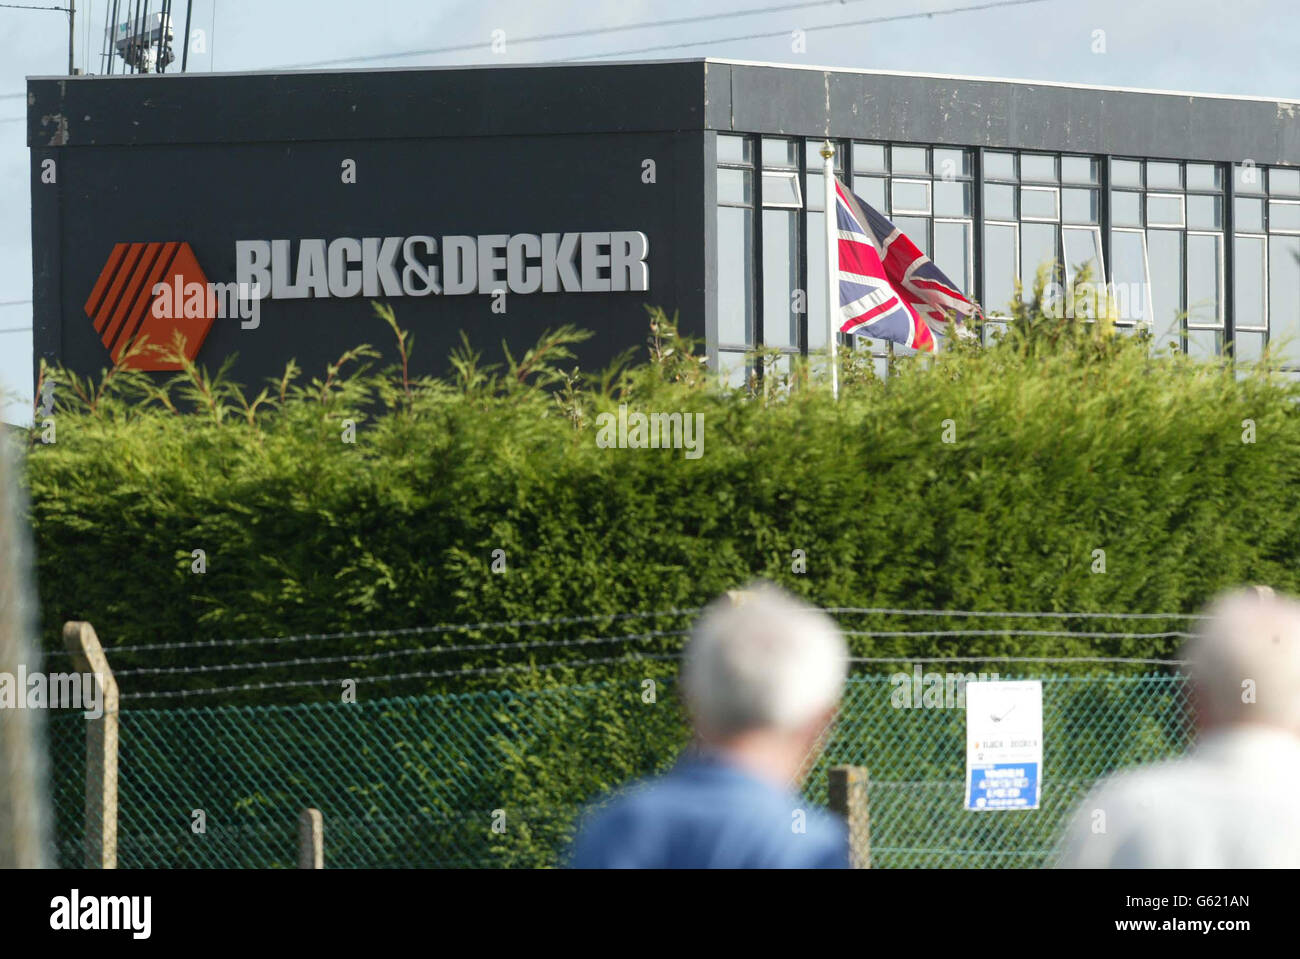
[{"x": 1004, "y": 745}]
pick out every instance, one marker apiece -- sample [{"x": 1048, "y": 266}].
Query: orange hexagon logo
[{"x": 124, "y": 308}]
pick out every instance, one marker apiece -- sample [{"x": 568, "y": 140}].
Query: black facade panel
[
  {"x": 212, "y": 196},
  {"x": 370, "y": 104}
]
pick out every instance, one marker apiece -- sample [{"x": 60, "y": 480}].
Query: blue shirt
[{"x": 707, "y": 813}]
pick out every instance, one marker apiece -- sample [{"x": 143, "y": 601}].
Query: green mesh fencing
[{"x": 497, "y": 779}]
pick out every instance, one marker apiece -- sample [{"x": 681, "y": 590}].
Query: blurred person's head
[
  {"x": 762, "y": 678},
  {"x": 1244, "y": 663}
]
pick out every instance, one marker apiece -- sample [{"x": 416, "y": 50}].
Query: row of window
[{"x": 1167, "y": 250}]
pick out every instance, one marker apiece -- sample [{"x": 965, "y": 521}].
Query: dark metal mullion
[
  {"x": 1104, "y": 220},
  {"x": 1229, "y": 266},
  {"x": 977, "y": 224},
  {"x": 758, "y": 247},
  {"x": 802, "y": 252}
]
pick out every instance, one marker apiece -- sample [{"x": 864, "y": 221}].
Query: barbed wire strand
[
  {"x": 1043, "y": 633},
  {"x": 395, "y": 653},
  {"x": 602, "y": 640},
  {"x": 437, "y": 674},
  {"x": 1016, "y": 659},
  {"x": 399, "y": 631},
  {"x": 615, "y": 617},
  {"x": 1007, "y": 614}
]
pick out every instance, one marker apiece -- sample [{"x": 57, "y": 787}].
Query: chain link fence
[{"x": 498, "y": 778}]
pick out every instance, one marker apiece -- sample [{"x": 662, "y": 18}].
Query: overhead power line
[
  {"x": 869, "y": 21},
  {"x": 577, "y": 34},
  {"x": 640, "y": 25}
]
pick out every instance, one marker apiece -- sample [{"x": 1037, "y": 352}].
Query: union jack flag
[{"x": 889, "y": 289}]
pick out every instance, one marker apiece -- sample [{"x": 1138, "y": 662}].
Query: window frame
[
  {"x": 1237, "y": 324},
  {"x": 1221, "y": 302},
  {"x": 1148, "y": 314}
]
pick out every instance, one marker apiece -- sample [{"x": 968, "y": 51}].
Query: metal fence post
[
  {"x": 311, "y": 840},
  {"x": 848, "y": 797},
  {"x": 101, "y": 747},
  {"x": 23, "y": 821}
]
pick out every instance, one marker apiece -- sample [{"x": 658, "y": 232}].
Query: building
[{"x": 497, "y": 202}]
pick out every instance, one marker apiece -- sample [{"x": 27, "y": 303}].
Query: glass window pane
[
  {"x": 1126, "y": 173},
  {"x": 999, "y": 202},
  {"x": 813, "y": 155},
  {"x": 868, "y": 157},
  {"x": 814, "y": 192},
  {"x": 1283, "y": 181},
  {"x": 999, "y": 166},
  {"x": 910, "y": 196},
  {"x": 816, "y": 255},
  {"x": 1284, "y": 297},
  {"x": 1203, "y": 176},
  {"x": 1205, "y": 212},
  {"x": 872, "y": 189},
  {"x": 781, "y": 189},
  {"x": 1126, "y": 208},
  {"x": 1079, "y": 169},
  {"x": 1248, "y": 214},
  {"x": 952, "y": 252},
  {"x": 1036, "y": 166},
  {"x": 1164, "y": 210},
  {"x": 1161, "y": 175},
  {"x": 951, "y": 198},
  {"x": 1283, "y": 216},
  {"x": 780, "y": 277},
  {"x": 1204, "y": 280},
  {"x": 1248, "y": 347},
  {"x": 1249, "y": 178},
  {"x": 999, "y": 267},
  {"x": 733, "y": 149},
  {"x": 780, "y": 153},
  {"x": 1037, "y": 203},
  {"x": 909, "y": 160},
  {"x": 1080, "y": 206},
  {"x": 917, "y": 229},
  {"x": 735, "y": 186},
  {"x": 950, "y": 164},
  {"x": 732, "y": 368},
  {"x": 1249, "y": 282},
  {"x": 778, "y": 370},
  {"x": 735, "y": 275},
  {"x": 1037, "y": 252},
  {"x": 1204, "y": 344},
  {"x": 1082, "y": 250},
  {"x": 1130, "y": 284},
  {"x": 1165, "y": 255}
]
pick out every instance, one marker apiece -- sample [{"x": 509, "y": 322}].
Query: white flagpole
[{"x": 832, "y": 261}]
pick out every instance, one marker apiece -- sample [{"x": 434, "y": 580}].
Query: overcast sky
[{"x": 1246, "y": 47}]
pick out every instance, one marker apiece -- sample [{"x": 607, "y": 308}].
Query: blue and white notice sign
[{"x": 1004, "y": 745}]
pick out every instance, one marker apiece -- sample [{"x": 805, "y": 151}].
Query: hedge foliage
[{"x": 987, "y": 478}]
